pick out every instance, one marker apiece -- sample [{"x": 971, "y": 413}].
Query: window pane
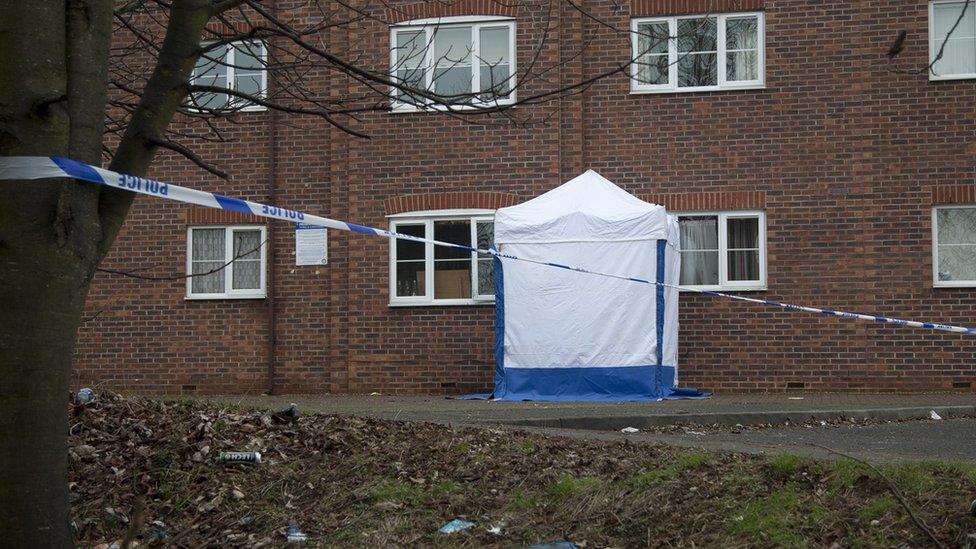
[
  {"x": 743, "y": 233},
  {"x": 486, "y": 236},
  {"x": 455, "y": 232},
  {"x": 495, "y": 62},
  {"x": 957, "y": 263},
  {"x": 246, "y": 275},
  {"x": 452, "y": 279},
  {"x": 249, "y": 84},
  {"x": 453, "y": 81},
  {"x": 652, "y": 38},
  {"x": 494, "y": 46},
  {"x": 212, "y": 283},
  {"x": 742, "y": 33},
  {"x": 742, "y": 66},
  {"x": 699, "y": 268},
  {"x": 697, "y": 35},
  {"x": 697, "y": 69},
  {"x": 496, "y": 80},
  {"x": 699, "y": 232},
  {"x": 486, "y": 277},
  {"x": 247, "y": 57},
  {"x": 411, "y": 48},
  {"x": 653, "y": 69},
  {"x": 208, "y": 244},
  {"x": 959, "y": 55},
  {"x": 210, "y": 70},
  {"x": 408, "y": 249},
  {"x": 410, "y": 278},
  {"x": 247, "y": 244},
  {"x": 452, "y": 47},
  {"x": 956, "y": 225},
  {"x": 486, "y": 268},
  {"x": 743, "y": 265}
]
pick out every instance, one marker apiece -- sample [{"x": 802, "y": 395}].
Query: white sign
[{"x": 311, "y": 245}]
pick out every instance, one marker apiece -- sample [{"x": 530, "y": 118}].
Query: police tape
[{"x": 41, "y": 167}]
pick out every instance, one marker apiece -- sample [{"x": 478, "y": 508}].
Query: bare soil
[{"x": 147, "y": 471}]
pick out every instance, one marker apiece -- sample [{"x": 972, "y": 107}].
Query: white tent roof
[{"x": 587, "y": 208}]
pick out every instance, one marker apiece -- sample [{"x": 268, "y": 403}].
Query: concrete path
[{"x": 918, "y": 438}]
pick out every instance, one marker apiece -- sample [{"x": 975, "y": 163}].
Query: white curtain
[
  {"x": 247, "y": 268},
  {"x": 959, "y": 56},
  {"x": 208, "y": 254},
  {"x": 699, "y": 250},
  {"x": 742, "y": 45}
]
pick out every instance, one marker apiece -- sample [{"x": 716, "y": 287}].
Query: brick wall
[{"x": 845, "y": 157}]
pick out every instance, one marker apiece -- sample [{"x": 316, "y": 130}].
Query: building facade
[{"x": 807, "y": 168}]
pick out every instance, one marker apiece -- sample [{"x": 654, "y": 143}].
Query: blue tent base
[
  {"x": 591, "y": 384},
  {"x": 688, "y": 393}
]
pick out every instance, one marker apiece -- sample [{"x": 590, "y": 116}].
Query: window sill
[
  {"x": 443, "y": 303},
  {"x": 959, "y": 284},
  {"x": 725, "y": 289},
  {"x": 223, "y": 297},
  {"x": 443, "y": 108},
  {"x": 709, "y": 89},
  {"x": 950, "y": 77}
]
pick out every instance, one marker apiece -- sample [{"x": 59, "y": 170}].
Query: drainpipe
[{"x": 272, "y": 199}]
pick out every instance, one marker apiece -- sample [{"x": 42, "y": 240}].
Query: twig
[{"x": 894, "y": 490}]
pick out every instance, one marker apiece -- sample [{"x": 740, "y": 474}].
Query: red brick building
[{"x": 817, "y": 175}]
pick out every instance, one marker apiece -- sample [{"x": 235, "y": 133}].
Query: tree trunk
[
  {"x": 54, "y": 233},
  {"x": 42, "y": 290}
]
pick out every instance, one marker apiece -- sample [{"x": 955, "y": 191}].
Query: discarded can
[
  {"x": 294, "y": 534},
  {"x": 84, "y": 396},
  {"x": 241, "y": 457}
]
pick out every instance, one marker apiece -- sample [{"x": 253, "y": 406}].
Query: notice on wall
[{"x": 311, "y": 245}]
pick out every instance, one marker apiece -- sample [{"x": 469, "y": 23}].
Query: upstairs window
[
  {"x": 954, "y": 246},
  {"x": 959, "y": 55},
  {"x": 239, "y": 66},
  {"x": 723, "y": 250},
  {"x": 424, "y": 274},
  {"x": 698, "y": 53},
  {"x": 466, "y": 63}
]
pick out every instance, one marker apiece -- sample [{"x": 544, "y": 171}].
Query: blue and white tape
[{"x": 40, "y": 167}]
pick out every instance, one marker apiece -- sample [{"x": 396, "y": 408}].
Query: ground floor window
[
  {"x": 723, "y": 250},
  {"x": 954, "y": 246},
  {"x": 422, "y": 273},
  {"x": 226, "y": 262}
]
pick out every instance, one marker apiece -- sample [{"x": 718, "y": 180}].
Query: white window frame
[
  {"x": 229, "y": 74},
  {"x": 429, "y": 26},
  {"x": 936, "y": 283},
  {"x": 672, "y": 86},
  {"x": 935, "y": 42},
  {"x": 229, "y": 292},
  {"x": 723, "y": 250},
  {"x": 427, "y": 218}
]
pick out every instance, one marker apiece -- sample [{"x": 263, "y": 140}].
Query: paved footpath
[{"x": 912, "y": 437}]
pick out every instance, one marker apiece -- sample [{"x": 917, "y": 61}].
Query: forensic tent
[{"x": 566, "y": 335}]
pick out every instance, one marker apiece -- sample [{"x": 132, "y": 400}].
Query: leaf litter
[{"x": 148, "y": 471}]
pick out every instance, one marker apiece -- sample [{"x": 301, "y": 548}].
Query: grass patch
[
  {"x": 877, "y": 508},
  {"x": 569, "y": 486},
  {"x": 693, "y": 460},
  {"x": 445, "y": 488},
  {"x": 646, "y": 479},
  {"x": 844, "y": 473},
  {"x": 772, "y": 520},
  {"x": 525, "y": 447},
  {"x": 401, "y": 492},
  {"x": 786, "y": 465},
  {"x": 912, "y": 477},
  {"x": 523, "y": 500}
]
